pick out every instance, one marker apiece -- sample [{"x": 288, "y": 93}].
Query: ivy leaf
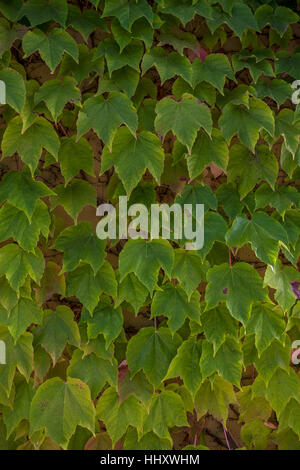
[
  {"x": 80, "y": 243},
  {"x": 189, "y": 270},
  {"x": 185, "y": 12},
  {"x": 132, "y": 291},
  {"x": 167, "y": 65},
  {"x": 179, "y": 41},
  {"x": 58, "y": 329},
  {"x": 183, "y": 118},
  {"x": 13, "y": 417},
  {"x": 82, "y": 157},
  {"x": 58, "y": 407},
  {"x": 82, "y": 67},
  {"x": 15, "y": 91},
  {"x": 266, "y": 323},
  {"x": 128, "y": 12},
  {"x": 51, "y": 47},
  {"x": 288, "y": 64},
  {"x": 18, "y": 353},
  {"x": 278, "y": 18},
  {"x": 42, "y": 11},
  {"x": 85, "y": 22},
  {"x": 88, "y": 287},
  {"x": 228, "y": 197},
  {"x": 280, "y": 278},
  {"x": 195, "y": 194},
  {"x": 275, "y": 356},
  {"x": 290, "y": 416},
  {"x": 131, "y": 54},
  {"x": 132, "y": 156},
  {"x": 29, "y": 144},
  {"x": 152, "y": 351},
  {"x": 206, "y": 150},
  {"x": 92, "y": 370},
  {"x": 263, "y": 232},
  {"x": 215, "y": 229},
  {"x": 227, "y": 361},
  {"x": 247, "y": 122},
  {"x": 186, "y": 364},
  {"x": 117, "y": 110},
  {"x": 282, "y": 387},
  {"x": 118, "y": 416},
  {"x": 173, "y": 303},
  {"x": 282, "y": 199},
  {"x": 14, "y": 223},
  {"x": 22, "y": 316},
  {"x": 145, "y": 259},
  {"x": 214, "y": 70},
  {"x": 74, "y": 197},
  {"x": 56, "y": 93},
  {"x": 247, "y": 168},
  {"x": 218, "y": 324},
  {"x": 255, "y": 434},
  {"x": 166, "y": 411},
  {"x": 278, "y": 90},
  {"x": 17, "y": 264},
  {"x": 290, "y": 130},
  {"x": 214, "y": 397},
  {"x": 106, "y": 320},
  {"x": 8, "y": 296},
  {"x": 239, "y": 286}
]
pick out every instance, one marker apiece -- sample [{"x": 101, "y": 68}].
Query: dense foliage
[{"x": 141, "y": 344}]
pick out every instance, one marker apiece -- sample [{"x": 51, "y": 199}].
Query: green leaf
[
  {"x": 218, "y": 325},
  {"x": 80, "y": 243},
  {"x": 14, "y": 223},
  {"x": 82, "y": 67},
  {"x": 280, "y": 278},
  {"x": 227, "y": 361},
  {"x": 282, "y": 199},
  {"x": 206, "y": 150},
  {"x": 128, "y": 11},
  {"x": 145, "y": 259},
  {"x": 58, "y": 329},
  {"x": 290, "y": 416},
  {"x": 51, "y": 47},
  {"x": 183, "y": 118},
  {"x": 152, "y": 351},
  {"x": 166, "y": 411},
  {"x": 82, "y": 157},
  {"x": 87, "y": 287},
  {"x": 118, "y": 416},
  {"x": 247, "y": 122},
  {"x": 278, "y": 90},
  {"x": 228, "y": 197},
  {"x": 42, "y": 11},
  {"x": 264, "y": 233},
  {"x": 247, "y": 168},
  {"x": 290, "y": 130},
  {"x": 267, "y": 324},
  {"x": 189, "y": 270},
  {"x": 74, "y": 197},
  {"x": 214, "y": 70},
  {"x": 167, "y": 65},
  {"x": 185, "y": 12},
  {"x": 20, "y": 190},
  {"x": 29, "y": 144},
  {"x": 17, "y": 264},
  {"x": 282, "y": 387},
  {"x": 132, "y": 156},
  {"x": 92, "y": 370},
  {"x": 15, "y": 91},
  {"x": 131, "y": 54},
  {"x": 173, "y": 303},
  {"x": 214, "y": 397},
  {"x": 288, "y": 64},
  {"x": 256, "y": 67},
  {"x": 239, "y": 286},
  {"x": 274, "y": 357},
  {"x": 279, "y": 18},
  {"x": 255, "y": 434},
  {"x": 58, "y": 407},
  {"x": 106, "y": 320},
  {"x": 117, "y": 109},
  {"x": 186, "y": 364},
  {"x": 132, "y": 291},
  {"x": 18, "y": 353},
  {"x": 22, "y": 316},
  {"x": 13, "y": 417},
  {"x": 85, "y": 21},
  {"x": 56, "y": 93},
  {"x": 215, "y": 229}
]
